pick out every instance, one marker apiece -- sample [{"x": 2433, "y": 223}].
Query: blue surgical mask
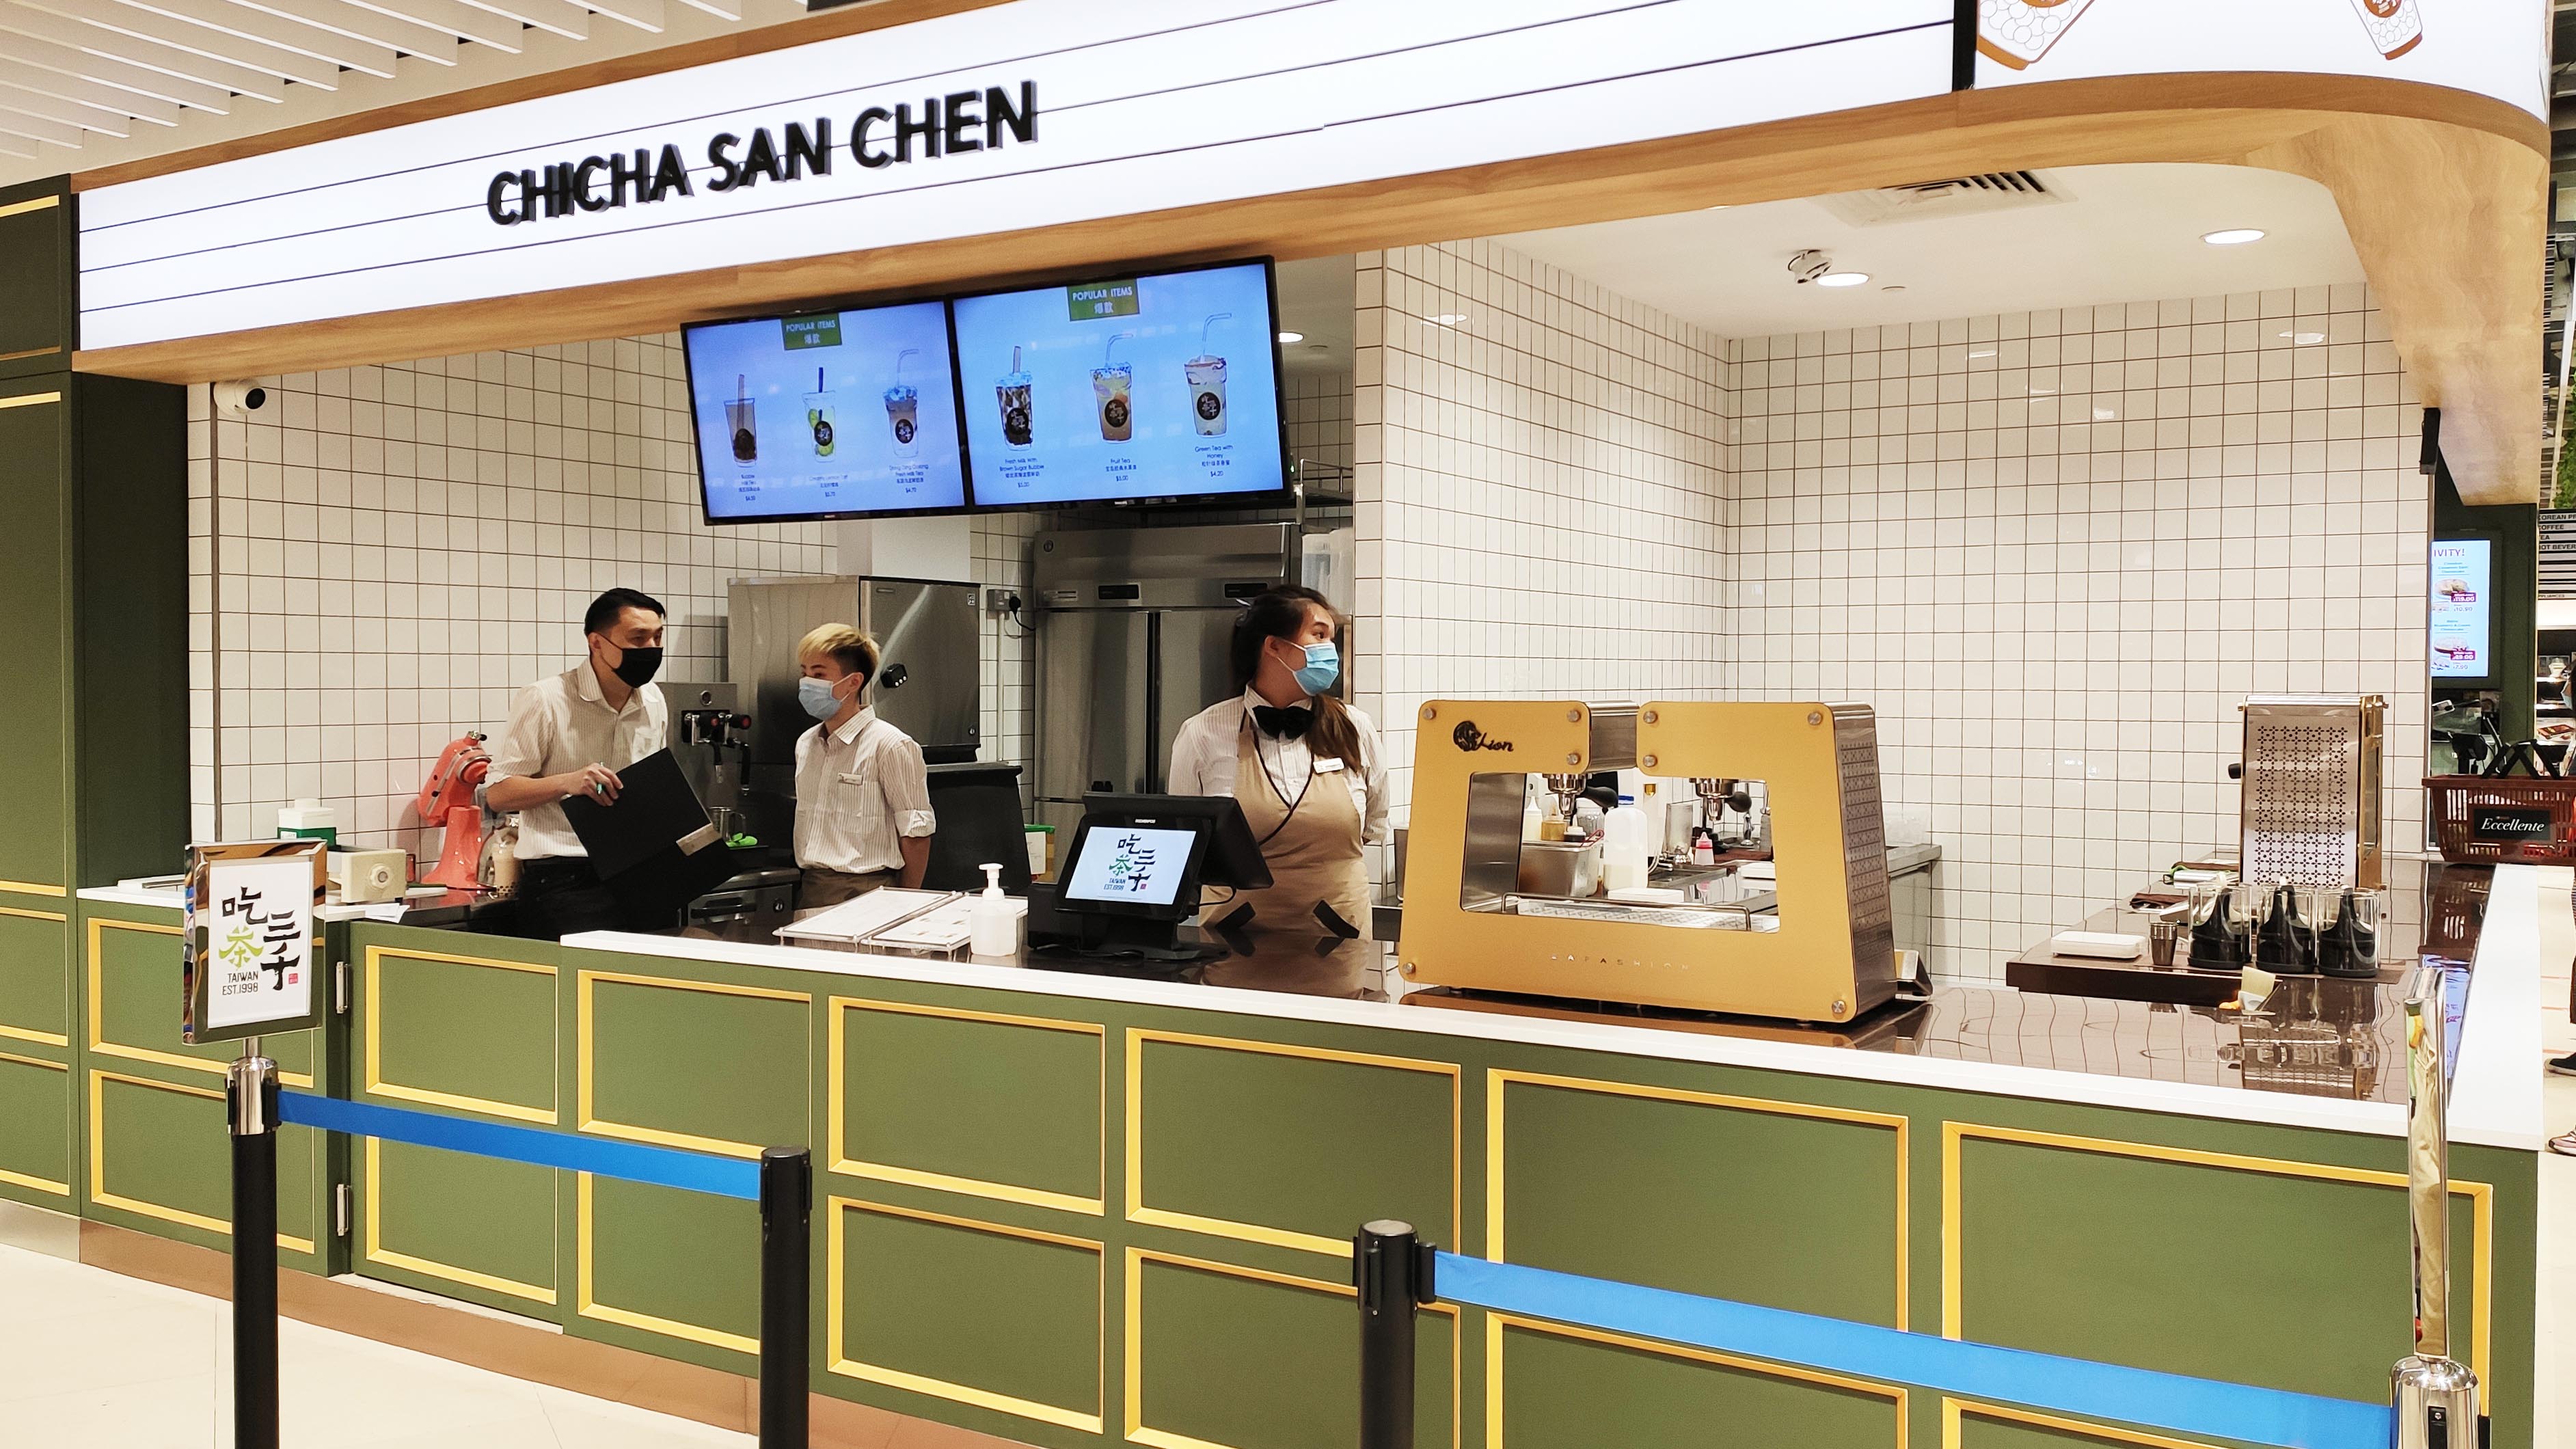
[
  {"x": 817, "y": 697},
  {"x": 1322, "y": 670}
]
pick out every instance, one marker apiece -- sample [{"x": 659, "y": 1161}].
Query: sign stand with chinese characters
[{"x": 246, "y": 967}]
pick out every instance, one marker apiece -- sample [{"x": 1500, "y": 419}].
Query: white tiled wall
[
  {"x": 1001, "y": 543},
  {"x": 1318, "y": 415},
  {"x": 1540, "y": 482},
  {"x": 2056, "y": 550},
  {"x": 392, "y": 551}
]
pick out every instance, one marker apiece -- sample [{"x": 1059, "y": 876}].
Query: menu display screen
[
  {"x": 1155, "y": 385},
  {"x": 2459, "y": 616},
  {"x": 827, "y": 415}
]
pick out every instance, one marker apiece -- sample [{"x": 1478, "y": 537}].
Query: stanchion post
[
  {"x": 1391, "y": 1268},
  {"x": 250, "y": 1108},
  {"x": 786, "y": 1293},
  {"x": 2434, "y": 1397}
]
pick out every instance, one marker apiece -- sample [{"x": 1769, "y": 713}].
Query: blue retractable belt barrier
[
  {"x": 2072, "y": 1385},
  {"x": 631, "y": 1161}
]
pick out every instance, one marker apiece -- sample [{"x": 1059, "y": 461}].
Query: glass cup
[
  {"x": 2348, "y": 940},
  {"x": 2217, "y": 919},
  {"x": 2285, "y": 928},
  {"x": 1207, "y": 394},
  {"x": 1112, "y": 386}
]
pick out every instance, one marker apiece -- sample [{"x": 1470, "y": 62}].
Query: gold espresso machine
[{"x": 1830, "y": 953}]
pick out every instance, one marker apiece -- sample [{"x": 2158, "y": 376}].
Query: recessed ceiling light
[
  {"x": 1893, "y": 287},
  {"x": 2302, "y": 339},
  {"x": 1982, "y": 352},
  {"x": 1447, "y": 319},
  {"x": 1292, "y": 337},
  {"x": 1842, "y": 279},
  {"x": 2232, "y": 237}
]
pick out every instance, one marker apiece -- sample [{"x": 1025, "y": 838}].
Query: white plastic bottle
[
  {"x": 1623, "y": 847},
  {"x": 993, "y": 927}
]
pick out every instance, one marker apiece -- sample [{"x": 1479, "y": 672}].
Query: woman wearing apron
[{"x": 1305, "y": 767}]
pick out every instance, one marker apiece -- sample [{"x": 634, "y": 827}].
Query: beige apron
[{"x": 1314, "y": 856}]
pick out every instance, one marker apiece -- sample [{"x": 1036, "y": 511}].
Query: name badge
[
  {"x": 852, "y": 777},
  {"x": 1328, "y": 767}
]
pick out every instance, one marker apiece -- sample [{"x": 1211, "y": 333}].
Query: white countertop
[
  {"x": 172, "y": 900},
  {"x": 2495, "y": 1094},
  {"x": 2495, "y": 1090}
]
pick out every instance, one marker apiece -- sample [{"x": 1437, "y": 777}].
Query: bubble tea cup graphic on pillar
[
  {"x": 738, "y": 421},
  {"x": 818, "y": 416},
  {"x": 1113, "y": 386},
  {"x": 1019, "y": 428},
  {"x": 1206, "y": 374},
  {"x": 903, "y": 410}
]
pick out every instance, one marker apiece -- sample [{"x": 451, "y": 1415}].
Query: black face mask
[{"x": 638, "y": 666}]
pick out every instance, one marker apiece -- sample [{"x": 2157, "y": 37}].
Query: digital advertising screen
[
  {"x": 1147, "y": 385},
  {"x": 826, "y": 415},
  {"x": 2460, "y": 615}
]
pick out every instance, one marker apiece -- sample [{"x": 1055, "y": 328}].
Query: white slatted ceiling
[{"x": 75, "y": 69}]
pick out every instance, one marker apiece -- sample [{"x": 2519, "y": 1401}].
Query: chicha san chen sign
[{"x": 955, "y": 124}]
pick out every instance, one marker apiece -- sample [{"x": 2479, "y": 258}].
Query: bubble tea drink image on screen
[
  {"x": 1206, "y": 374},
  {"x": 1019, "y": 428},
  {"x": 903, "y": 410},
  {"x": 818, "y": 416},
  {"x": 738, "y": 421},
  {"x": 1113, "y": 385}
]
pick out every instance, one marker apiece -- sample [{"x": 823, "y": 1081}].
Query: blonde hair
[{"x": 848, "y": 647}]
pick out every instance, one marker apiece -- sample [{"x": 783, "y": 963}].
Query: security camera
[
  {"x": 1810, "y": 264},
  {"x": 239, "y": 399}
]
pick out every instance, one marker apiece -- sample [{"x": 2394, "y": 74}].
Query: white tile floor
[
  {"x": 2555, "y": 1413},
  {"x": 94, "y": 1360}
]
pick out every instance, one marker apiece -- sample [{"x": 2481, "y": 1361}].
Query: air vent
[{"x": 1951, "y": 196}]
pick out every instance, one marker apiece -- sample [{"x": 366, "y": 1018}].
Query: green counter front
[{"x": 1075, "y": 1211}]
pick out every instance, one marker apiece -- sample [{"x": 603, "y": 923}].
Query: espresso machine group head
[{"x": 1830, "y": 953}]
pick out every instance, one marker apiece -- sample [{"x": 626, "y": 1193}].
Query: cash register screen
[{"x": 1129, "y": 865}]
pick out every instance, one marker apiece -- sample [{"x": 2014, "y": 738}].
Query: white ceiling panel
[{"x": 88, "y": 83}]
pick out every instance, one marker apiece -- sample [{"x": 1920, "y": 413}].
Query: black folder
[
  {"x": 655, "y": 811},
  {"x": 655, "y": 849}
]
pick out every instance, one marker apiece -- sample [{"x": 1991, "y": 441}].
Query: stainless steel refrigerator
[
  {"x": 1131, "y": 642},
  {"x": 929, "y": 681}
]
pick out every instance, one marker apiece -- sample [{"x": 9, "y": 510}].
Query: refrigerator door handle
[{"x": 1152, "y": 784}]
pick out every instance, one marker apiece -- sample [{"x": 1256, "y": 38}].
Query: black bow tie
[{"x": 1284, "y": 724}]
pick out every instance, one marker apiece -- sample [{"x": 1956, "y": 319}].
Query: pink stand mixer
[{"x": 447, "y": 797}]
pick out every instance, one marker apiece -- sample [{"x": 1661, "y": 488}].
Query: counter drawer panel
[
  {"x": 976, "y": 1313},
  {"x": 992, "y": 1106},
  {"x": 35, "y": 1002},
  {"x": 704, "y": 1065},
  {"x": 162, "y": 1153},
  {"x": 1236, "y": 1359},
  {"x": 470, "y": 1032},
  {"x": 682, "y": 1268},
  {"x": 1549, "y": 1387},
  {"x": 1786, "y": 1204},
  {"x": 133, "y": 986},
  {"x": 35, "y": 1130},
  {"x": 35, "y": 672},
  {"x": 1289, "y": 1145},
  {"x": 473, "y": 1227},
  {"x": 1969, "y": 1425},
  {"x": 2070, "y": 1244}
]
